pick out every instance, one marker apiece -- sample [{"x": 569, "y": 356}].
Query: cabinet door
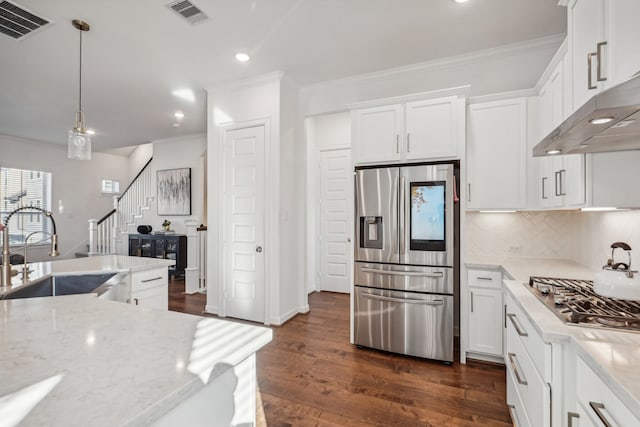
[
  {"x": 485, "y": 321},
  {"x": 573, "y": 180},
  {"x": 586, "y": 25},
  {"x": 377, "y": 133},
  {"x": 431, "y": 128},
  {"x": 496, "y": 155},
  {"x": 156, "y": 298},
  {"x": 623, "y": 37}
]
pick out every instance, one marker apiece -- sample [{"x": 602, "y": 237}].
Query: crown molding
[
  {"x": 524, "y": 93},
  {"x": 468, "y": 58},
  {"x": 460, "y": 91},
  {"x": 272, "y": 77}
]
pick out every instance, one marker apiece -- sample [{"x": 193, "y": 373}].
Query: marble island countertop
[
  {"x": 80, "y": 361},
  {"x": 614, "y": 355},
  {"x": 84, "y": 266}
]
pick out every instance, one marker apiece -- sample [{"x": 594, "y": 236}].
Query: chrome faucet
[
  {"x": 53, "y": 253},
  {"x": 5, "y": 277}
]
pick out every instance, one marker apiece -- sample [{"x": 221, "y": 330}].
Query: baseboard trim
[
  {"x": 211, "y": 309},
  {"x": 279, "y": 321},
  {"x": 486, "y": 358}
]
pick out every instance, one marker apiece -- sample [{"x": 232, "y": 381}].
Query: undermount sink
[
  {"x": 60, "y": 285},
  {"x": 616, "y": 284}
]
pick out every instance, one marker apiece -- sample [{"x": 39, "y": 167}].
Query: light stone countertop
[
  {"x": 613, "y": 355},
  {"x": 80, "y": 361},
  {"x": 100, "y": 264}
]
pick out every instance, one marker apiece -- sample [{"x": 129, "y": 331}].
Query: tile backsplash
[{"x": 584, "y": 237}]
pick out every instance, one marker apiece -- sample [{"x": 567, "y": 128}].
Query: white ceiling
[{"x": 138, "y": 51}]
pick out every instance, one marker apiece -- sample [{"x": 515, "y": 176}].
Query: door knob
[
  {"x": 258, "y": 249},
  {"x": 349, "y": 239}
]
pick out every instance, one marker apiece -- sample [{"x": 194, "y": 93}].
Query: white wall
[
  {"x": 271, "y": 100},
  {"x": 137, "y": 159},
  {"x": 75, "y": 183},
  {"x": 176, "y": 153},
  {"x": 503, "y": 69}
]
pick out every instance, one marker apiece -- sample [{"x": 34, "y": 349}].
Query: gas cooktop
[{"x": 575, "y": 303}]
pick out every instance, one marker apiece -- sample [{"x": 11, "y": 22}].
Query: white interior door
[
  {"x": 336, "y": 213},
  {"x": 244, "y": 271}
]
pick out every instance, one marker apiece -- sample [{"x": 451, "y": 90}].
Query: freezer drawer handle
[
  {"x": 514, "y": 365},
  {"x": 598, "y": 408},
  {"x": 435, "y": 274},
  {"x": 519, "y": 330},
  {"x": 403, "y": 300}
]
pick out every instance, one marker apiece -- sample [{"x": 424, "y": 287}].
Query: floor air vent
[
  {"x": 188, "y": 11},
  {"x": 17, "y": 22}
]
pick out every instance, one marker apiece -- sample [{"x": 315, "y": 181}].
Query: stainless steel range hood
[{"x": 619, "y": 106}]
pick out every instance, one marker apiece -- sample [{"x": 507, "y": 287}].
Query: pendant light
[{"x": 79, "y": 143}]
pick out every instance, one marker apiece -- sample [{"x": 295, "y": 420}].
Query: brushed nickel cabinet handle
[
  {"x": 544, "y": 179},
  {"x": 556, "y": 175},
  {"x": 469, "y": 194},
  {"x": 397, "y": 144},
  {"x": 514, "y": 365},
  {"x": 472, "y": 302},
  {"x": 512, "y": 413},
  {"x": 408, "y": 142},
  {"x": 599, "y": 69},
  {"x": 485, "y": 278},
  {"x": 151, "y": 280},
  {"x": 597, "y": 408},
  {"x": 562, "y": 174},
  {"x": 135, "y": 300},
  {"x": 570, "y": 417},
  {"x": 505, "y": 316},
  {"x": 590, "y": 84},
  {"x": 519, "y": 330}
]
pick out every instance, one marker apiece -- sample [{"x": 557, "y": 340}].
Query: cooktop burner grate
[{"x": 575, "y": 302}]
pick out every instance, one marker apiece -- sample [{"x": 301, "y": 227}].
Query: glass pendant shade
[{"x": 79, "y": 145}]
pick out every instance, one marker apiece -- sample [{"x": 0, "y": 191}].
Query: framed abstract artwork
[{"x": 174, "y": 191}]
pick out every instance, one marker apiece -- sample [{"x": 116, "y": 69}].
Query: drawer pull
[
  {"x": 519, "y": 330},
  {"x": 485, "y": 278},
  {"x": 570, "y": 417},
  {"x": 136, "y": 301},
  {"x": 514, "y": 365},
  {"x": 513, "y": 414},
  {"x": 151, "y": 280},
  {"x": 403, "y": 300},
  {"x": 436, "y": 274},
  {"x": 597, "y": 408}
]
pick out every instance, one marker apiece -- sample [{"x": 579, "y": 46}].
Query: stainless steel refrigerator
[{"x": 406, "y": 259}]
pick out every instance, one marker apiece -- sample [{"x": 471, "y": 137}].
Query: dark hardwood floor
[{"x": 310, "y": 375}]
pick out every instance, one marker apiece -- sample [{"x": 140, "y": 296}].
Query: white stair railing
[{"x": 104, "y": 234}]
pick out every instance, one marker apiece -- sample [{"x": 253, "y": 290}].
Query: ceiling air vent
[
  {"x": 188, "y": 11},
  {"x": 17, "y": 22}
]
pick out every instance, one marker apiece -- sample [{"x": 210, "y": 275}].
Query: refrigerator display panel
[{"x": 428, "y": 216}]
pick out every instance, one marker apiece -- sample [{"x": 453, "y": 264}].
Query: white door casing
[
  {"x": 336, "y": 213},
  {"x": 244, "y": 224}
]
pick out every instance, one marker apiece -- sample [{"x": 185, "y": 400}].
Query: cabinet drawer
[
  {"x": 516, "y": 407},
  {"x": 598, "y": 401},
  {"x": 531, "y": 388},
  {"x": 149, "y": 279},
  {"x": 523, "y": 331},
  {"x": 484, "y": 278}
]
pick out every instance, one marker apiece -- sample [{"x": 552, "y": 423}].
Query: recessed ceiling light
[
  {"x": 91, "y": 131},
  {"x": 242, "y": 57},
  {"x": 553, "y": 151},
  {"x": 460, "y": 1},
  {"x": 186, "y": 94},
  {"x": 179, "y": 114},
  {"x": 601, "y": 120}
]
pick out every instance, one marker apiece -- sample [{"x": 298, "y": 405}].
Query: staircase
[{"x": 105, "y": 234}]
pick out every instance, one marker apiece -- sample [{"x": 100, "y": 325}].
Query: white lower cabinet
[
  {"x": 528, "y": 361},
  {"x": 150, "y": 288},
  {"x": 595, "y": 403},
  {"x": 485, "y": 312}
]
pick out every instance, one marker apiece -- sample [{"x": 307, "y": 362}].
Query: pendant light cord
[{"x": 80, "y": 91}]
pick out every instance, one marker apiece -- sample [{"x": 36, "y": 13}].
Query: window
[
  {"x": 20, "y": 188},
  {"x": 110, "y": 186}
]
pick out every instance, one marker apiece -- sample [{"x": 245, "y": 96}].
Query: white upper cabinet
[
  {"x": 496, "y": 154},
  {"x": 417, "y": 130},
  {"x": 603, "y": 43},
  {"x": 377, "y": 132},
  {"x": 432, "y": 128}
]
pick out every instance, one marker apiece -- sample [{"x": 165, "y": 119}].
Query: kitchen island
[
  {"x": 581, "y": 365},
  {"x": 79, "y": 360}
]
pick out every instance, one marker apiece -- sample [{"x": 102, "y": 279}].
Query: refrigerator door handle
[
  {"x": 435, "y": 274},
  {"x": 401, "y": 216},
  {"x": 403, "y": 300}
]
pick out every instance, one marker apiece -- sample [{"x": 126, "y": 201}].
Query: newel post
[{"x": 93, "y": 237}]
